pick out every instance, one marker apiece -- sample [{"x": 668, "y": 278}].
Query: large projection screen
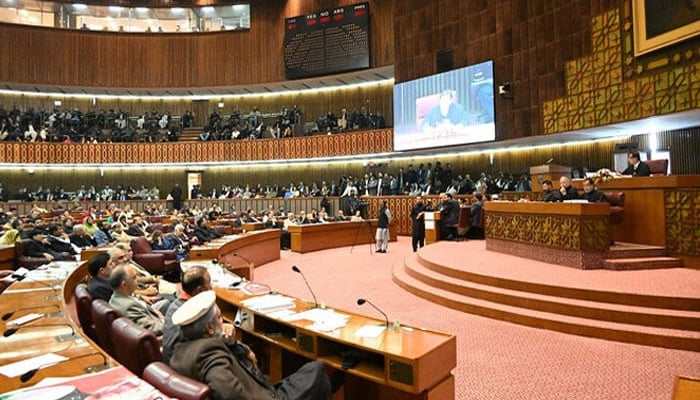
[{"x": 447, "y": 109}]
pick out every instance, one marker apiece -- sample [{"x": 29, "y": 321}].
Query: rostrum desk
[
  {"x": 571, "y": 234},
  {"x": 659, "y": 211}
]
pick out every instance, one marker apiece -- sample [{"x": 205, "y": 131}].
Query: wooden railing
[{"x": 366, "y": 142}]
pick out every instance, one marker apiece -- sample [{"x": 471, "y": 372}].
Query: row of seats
[{"x": 137, "y": 349}]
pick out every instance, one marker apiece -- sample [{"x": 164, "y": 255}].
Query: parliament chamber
[{"x": 531, "y": 168}]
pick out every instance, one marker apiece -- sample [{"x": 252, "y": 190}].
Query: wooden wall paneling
[{"x": 112, "y": 59}]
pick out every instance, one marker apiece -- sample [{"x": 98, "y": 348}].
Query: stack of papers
[
  {"x": 18, "y": 368},
  {"x": 370, "y": 331},
  {"x": 322, "y": 320},
  {"x": 269, "y": 303}
]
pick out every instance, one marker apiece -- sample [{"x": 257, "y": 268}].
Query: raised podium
[{"x": 551, "y": 172}]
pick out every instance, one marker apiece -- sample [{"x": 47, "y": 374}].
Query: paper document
[
  {"x": 269, "y": 303},
  {"x": 20, "y": 367},
  {"x": 23, "y": 320},
  {"x": 370, "y": 331}
]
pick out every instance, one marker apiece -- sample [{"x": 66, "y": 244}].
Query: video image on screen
[{"x": 446, "y": 109}]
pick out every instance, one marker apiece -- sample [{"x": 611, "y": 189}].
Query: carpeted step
[
  {"x": 650, "y": 336},
  {"x": 634, "y": 250},
  {"x": 636, "y": 315},
  {"x": 628, "y": 264},
  {"x": 667, "y": 289}
]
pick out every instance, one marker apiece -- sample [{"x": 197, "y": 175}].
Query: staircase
[
  {"x": 646, "y": 319},
  {"x": 630, "y": 256},
  {"x": 190, "y": 134}
]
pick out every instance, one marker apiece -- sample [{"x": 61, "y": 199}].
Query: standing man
[
  {"x": 176, "y": 194},
  {"x": 636, "y": 166},
  {"x": 450, "y": 217},
  {"x": 418, "y": 224},
  {"x": 382, "y": 235}
]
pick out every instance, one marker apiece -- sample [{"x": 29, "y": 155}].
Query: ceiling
[{"x": 365, "y": 76}]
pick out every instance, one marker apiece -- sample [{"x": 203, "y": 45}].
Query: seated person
[
  {"x": 118, "y": 233},
  {"x": 208, "y": 352},
  {"x": 59, "y": 241},
  {"x": 38, "y": 246},
  {"x": 357, "y": 217},
  {"x": 12, "y": 236},
  {"x": 80, "y": 238},
  {"x": 591, "y": 194},
  {"x": 548, "y": 193},
  {"x": 446, "y": 115},
  {"x": 194, "y": 281},
  {"x": 566, "y": 191},
  {"x": 150, "y": 285},
  {"x": 123, "y": 283},
  {"x": 100, "y": 268},
  {"x": 102, "y": 236},
  {"x": 636, "y": 166}
]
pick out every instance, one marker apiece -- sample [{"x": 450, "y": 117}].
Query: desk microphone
[
  {"x": 363, "y": 301},
  {"x": 551, "y": 160},
  {"x": 30, "y": 374},
  {"x": 12, "y": 331},
  {"x": 298, "y": 271},
  {"x": 9, "y": 315}
]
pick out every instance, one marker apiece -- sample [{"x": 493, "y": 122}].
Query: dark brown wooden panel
[{"x": 112, "y": 59}]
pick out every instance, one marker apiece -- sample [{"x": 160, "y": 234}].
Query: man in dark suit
[
  {"x": 449, "y": 218},
  {"x": 566, "y": 191},
  {"x": 59, "y": 241},
  {"x": 100, "y": 268},
  {"x": 37, "y": 246},
  {"x": 208, "y": 352},
  {"x": 591, "y": 194},
  {"x": 549, "y": 194},
  {"x": 418, "y": 224},
  {"x": 636, "y": 166}
]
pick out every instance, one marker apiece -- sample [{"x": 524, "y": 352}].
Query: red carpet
[{"x": 496, "y": 360}]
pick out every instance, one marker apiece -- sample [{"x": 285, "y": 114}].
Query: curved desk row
[
  {"x": 56, "y": 332},
  {"x": 404, "y": 363},
  {"x": 243, "y": 252}
]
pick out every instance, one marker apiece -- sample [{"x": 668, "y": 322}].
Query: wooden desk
[
  {"x": 406, "y": 363},
  {"x": 313, "y": 237},
  {"x": 659, "y": 211},
  {"x": 252, "y": 226},
  {"x": 571, "y": 234},
  {"x": 41, "y": 339},
  {"x": 252, "y": 248},
  {"x": 7, "y": 256}
]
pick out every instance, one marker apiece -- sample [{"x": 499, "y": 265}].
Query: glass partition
[{"x": 125, "y": 19}]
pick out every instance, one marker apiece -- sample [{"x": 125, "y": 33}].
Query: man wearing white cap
[{"x": 225, "y": 366}]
